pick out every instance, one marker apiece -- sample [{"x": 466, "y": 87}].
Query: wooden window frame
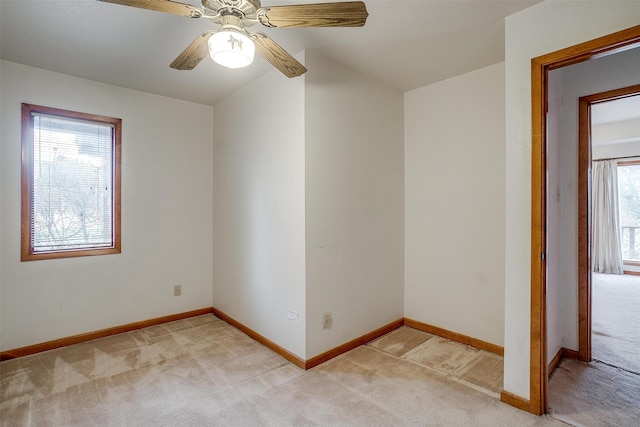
[
  {"x": 629, "y": 162},
  {"x": 27, "y": 252}
]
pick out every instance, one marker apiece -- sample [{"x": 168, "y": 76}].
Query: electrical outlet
[
  {"x": 327, "y": 320},
  {"x": 177, "y": 290},
  {"x": 292, "y": 315}
]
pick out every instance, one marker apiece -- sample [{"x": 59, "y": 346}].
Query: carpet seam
[{"x": 616, "y": 367}]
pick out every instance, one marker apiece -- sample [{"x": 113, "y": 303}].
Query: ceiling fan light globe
[{"x": 231, "y": 49}]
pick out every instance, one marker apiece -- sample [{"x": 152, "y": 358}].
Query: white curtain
[{"x": 607, "y": 249}]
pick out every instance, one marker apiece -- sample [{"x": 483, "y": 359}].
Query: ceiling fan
[{"x": 233, "y": 46}]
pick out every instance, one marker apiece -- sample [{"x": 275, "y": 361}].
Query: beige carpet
[
  {"x": 203, "y": 372},
  {"x": 616, "y": 320},
  {"x": 594, "y": 394},
  {"x": 464, "y": 364},
  {"x": 599, "y": 393}
]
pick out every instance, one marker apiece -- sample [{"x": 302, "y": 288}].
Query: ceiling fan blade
[
  {"x": 343, "y": 14},
  {"x": 194, "y": 53},
  {"x": 277, "y": 56},
  {"x": 166, "y": 6}
]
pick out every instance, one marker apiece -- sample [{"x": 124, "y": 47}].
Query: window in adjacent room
[
  {"x": 629, "y": 201},
  {"x": 70, "y": 183}
]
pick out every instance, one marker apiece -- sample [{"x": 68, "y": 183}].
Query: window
[
  {"x": 629, "y": 203},
  {"x": 70, "y": 183}
]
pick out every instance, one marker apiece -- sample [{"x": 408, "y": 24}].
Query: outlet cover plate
[{"x": 327, "y": 320}]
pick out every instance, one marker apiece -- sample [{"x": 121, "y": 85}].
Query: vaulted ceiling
[{"x": 405, "y": 43}]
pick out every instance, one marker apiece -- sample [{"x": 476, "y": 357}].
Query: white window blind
[{"x": 72, "y": 184}]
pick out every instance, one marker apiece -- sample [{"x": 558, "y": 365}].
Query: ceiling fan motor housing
[
  {"x": 245, "y": 8},
  {"x": 232, "y": 22}
]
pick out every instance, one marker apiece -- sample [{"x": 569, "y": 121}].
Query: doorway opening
[
  {"x": 540, "y": 67},
  {"x": 609, "y": 228}
]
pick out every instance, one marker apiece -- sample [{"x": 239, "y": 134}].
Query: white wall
[
  {"x": 454, "y": 212},
  {"x": 354, "y": 203},
  {"x": 616, "y": 150},
  {"x": 308, "y": 206},
  {"x": 540, "y": 29},
  {"x": 166, "y": 215},
  {"x": 259, "y": 208},
  {"x": 616, "y": 133},
  {"x": 555, "y": 327}
]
